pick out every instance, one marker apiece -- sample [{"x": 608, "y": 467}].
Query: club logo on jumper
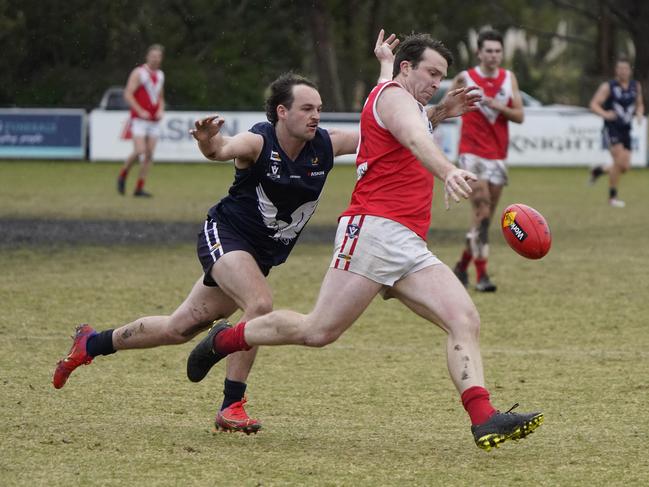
[
  {"x": 361, "y": 169},
  {"x": 509, "y": 220},
  {"x": 315, "y": 161},
  {"x": 353, "y": 230},
  {"x": 274, "y": 156},
  {"x": 275, "y": 172}
]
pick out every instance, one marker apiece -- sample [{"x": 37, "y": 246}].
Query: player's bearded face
[
  {"x": 424, "y": 80},
  {"x": 303, "y": 117}
]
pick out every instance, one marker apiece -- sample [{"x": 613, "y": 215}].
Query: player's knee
[
  {"x": 320, "y": 336},
  {"x": 471, "y": 323},
  {"x": 319, "y": 339},
  {"x": 467, "y": 323},
  {"x": 483, "y": 230},
  {"x": 261, "y": 306}
]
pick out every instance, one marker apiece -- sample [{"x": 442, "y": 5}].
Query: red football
[{"x": 526, "y": 231}]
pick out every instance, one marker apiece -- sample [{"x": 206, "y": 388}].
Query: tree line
[{"x": 221, "y": 54}]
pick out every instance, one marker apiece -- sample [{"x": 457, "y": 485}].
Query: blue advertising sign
[{"x": 42, "y": 133}]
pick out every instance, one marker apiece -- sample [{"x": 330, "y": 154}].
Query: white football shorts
[
  {"x": 380, "y": 249},
  {"x": 145, "y": 128},
  {"x": 491, "y": 170}
]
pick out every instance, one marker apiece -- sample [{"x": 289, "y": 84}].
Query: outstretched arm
[
  {"x": 343, "y": 141},
  {"x": 400, "y": 114},
  {"x": 244, "y": 147}
]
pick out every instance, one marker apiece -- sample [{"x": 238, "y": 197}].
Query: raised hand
[
  {"x": 207, "y": 127},
  {"x": 384, "y": 49}
]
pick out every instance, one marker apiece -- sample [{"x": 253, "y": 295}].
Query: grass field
[{"x": 567, "y": 335}]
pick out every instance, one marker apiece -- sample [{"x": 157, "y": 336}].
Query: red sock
[
  {"x": 123, "y": 173},
  {"x": 231, "y": 340},
  {"x": 465, "y": 260},
  {"x": 476, "y": 402},
  {"x": 139, "y": 185},
  {"x": 480, "y": 267}
]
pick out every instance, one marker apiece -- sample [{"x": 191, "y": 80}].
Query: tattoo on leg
[
  {"x": 126, "y": 334},
  {"x": 465, "y": 375},
  {"x": 457, "y": 348}
]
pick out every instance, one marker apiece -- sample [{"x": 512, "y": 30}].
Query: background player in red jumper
[
  {"x": 483, "y": 148},
  {"x": 144, "y": 93}
]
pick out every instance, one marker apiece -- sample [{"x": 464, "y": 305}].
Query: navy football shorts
[
  {"x": 216, "y": 240},
  {"x": 613, "y": 135}
]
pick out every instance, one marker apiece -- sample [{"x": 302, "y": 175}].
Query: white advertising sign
[
  {"x": 565, "y": 139},
  {"x": 546, "y": 138},
  {"x": 110, "y": 139}
]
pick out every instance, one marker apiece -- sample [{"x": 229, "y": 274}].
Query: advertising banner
[
  {"x": 568, "y": 139},
  {"x": 546, "y": 138},
  {"x": 42, "y": 133},
  {"x": 110, "y": 138}
]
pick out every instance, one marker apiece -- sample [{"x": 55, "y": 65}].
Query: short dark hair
[
  {"x": 489, "y": 35},
  {"x": 155, "y": 47},
  {"x": 412, "y": 49},
  {"x": 623, "y": 58},
  {"x": 281, "y": 93}
]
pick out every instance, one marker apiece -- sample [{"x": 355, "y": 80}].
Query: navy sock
[
  {"x": 612, "y": 193},
  {"x": 100, "y": 344},
  {"x": 233, "y": 391},
  {"x": 598, "y": 171}
]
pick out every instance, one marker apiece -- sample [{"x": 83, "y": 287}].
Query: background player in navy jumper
[
  {"x": 281, "y": 167},
  {"x": 617, "y": 101}
]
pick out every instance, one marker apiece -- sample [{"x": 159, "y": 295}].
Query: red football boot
[
  {"x": 76, "y": 357},
  {"x": 235, "y": 418}
]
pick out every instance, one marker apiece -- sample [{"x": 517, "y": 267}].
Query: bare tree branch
[
  {"x": 553, "y": 35},
  {"x": 624, "y": 14}
]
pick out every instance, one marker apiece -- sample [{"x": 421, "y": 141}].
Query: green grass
[
  {"x": 183, "y": 192},
  {"x": 566, "y": 334}
]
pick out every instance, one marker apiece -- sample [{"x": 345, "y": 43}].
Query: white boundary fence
[{"x": 548, "y": 137}]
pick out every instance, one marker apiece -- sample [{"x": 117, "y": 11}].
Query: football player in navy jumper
[
  {"x": 617, "y": 101},
  {"x": 281, "y": 167}
]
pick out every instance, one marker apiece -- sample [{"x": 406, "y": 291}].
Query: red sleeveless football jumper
[
  {"x": 392, "y": 183},
  {"x": 485, "y": 132},
  {"x": 147, "y": 93}
]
